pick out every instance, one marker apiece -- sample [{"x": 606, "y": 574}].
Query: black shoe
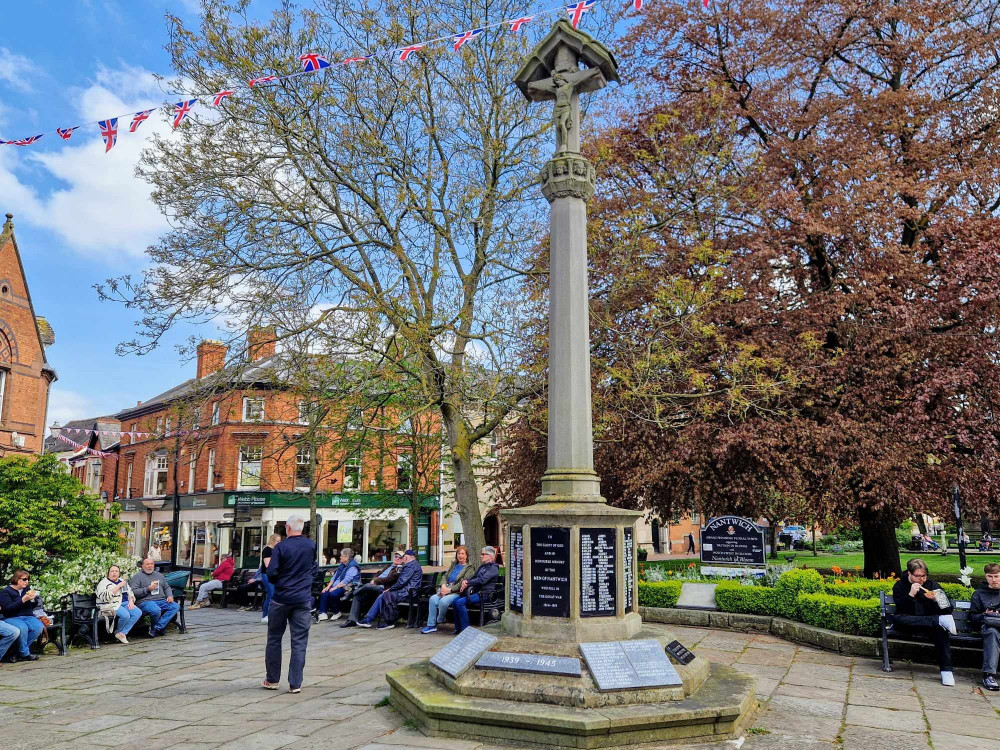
[
  {"x": 29, "y": 657},
  {"x": 12, "y": 659},
  {"x": 990, "y": 682},
  {"x": 349, "y": 624},
  {"x": 155, "y": 633}
]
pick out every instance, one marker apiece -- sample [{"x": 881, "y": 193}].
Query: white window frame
[
  {"x": 404, "y": 458},
  {"x": 94, "y": 475},
  {"x": 302, "y": 458},
  {"x": 215, "y": 413},
  {"x": 159, "y": 425},
  {"x": 128, "y": 480},
  {"x": 133, "y": 429},
  {"x": 249, "y": 412},
  {"x": 250, "y": 455},
  {"x": 192, "y": 464},
  {"x": 196, "y": 417},
  {"x": 166, "y": 427},
  {"x": 352, "y": 468},
  {"x": 303, "y": 412},
  {"x": 355, "y": 418},
  {"x": 154, "y": 465},
  {"x": 3, "y": 389},
  {"x": 211, "y": 470}
]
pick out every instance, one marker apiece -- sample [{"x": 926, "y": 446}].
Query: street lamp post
[{"x": 957, "y": 499}]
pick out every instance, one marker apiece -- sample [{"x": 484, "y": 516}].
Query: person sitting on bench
[
  {"x": 918, "y": 612},
  {"x": 222, "y": 573},
  {"x": 154, "y": 597},
  {"x": 408, "y": 583},
  {"x": 365, "y": 595},
  {"x": 985, "y": 612},
  {"x": 346, "y": 575},
  {"x": 473, "y": 589}
]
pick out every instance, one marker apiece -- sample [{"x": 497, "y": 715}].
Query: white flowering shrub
[
  {"x": 80, "y": 575},
  {"x": 966, "y": 577}
]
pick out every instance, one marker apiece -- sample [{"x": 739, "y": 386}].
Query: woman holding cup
[{"x": 115, "y": 599}]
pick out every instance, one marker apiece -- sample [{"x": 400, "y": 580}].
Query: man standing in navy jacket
[
  {"x": 292, "y": 570},
  {"x": 410, "y": 578}
]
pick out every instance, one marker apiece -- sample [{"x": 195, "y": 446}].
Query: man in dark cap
[{"x": 408, "y": 583}]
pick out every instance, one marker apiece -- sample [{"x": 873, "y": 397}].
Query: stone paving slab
[{"x": 201, "y": 690}]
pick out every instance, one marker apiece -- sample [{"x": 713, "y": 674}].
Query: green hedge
[
  {"x": 867, "y": 589},
  {"x": 733, "y": 596},
  {"x": 843, "y": 614},
  {"x": 661, "y": 594},
  {"x": 790, "y": 585}
]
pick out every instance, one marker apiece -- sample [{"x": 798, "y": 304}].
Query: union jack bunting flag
[
  {"x": 262, "y": 79},
  {"x": 66, "y": 133},
  {"x": 312, "y": 62},
  {"x": 109, "y": 132},
  {"x": 218, "y": 97},
  {"x": 576, "y": 11},
  {"x": 466, "y": 36},
  {"x": 405, "y": 52},
  {"x": 517, "y": 23},
  {"x": 138, "y": 119},
  {"x": 704, "y": 3},
  {"x": 181, "y": 110},
  {"x": 637, "y": 4},
  {"x": 26, "y": 141}
]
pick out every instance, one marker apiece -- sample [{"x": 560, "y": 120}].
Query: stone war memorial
[{"x": 572, "y": 664}]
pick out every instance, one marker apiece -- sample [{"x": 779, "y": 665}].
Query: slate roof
[{"x": 106, "y": 424}]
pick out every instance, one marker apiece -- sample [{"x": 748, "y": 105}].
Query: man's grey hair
[
  {"x": 347, "y": 551},
  {"x": 148, "y": 558},
  {"x": 492, "y": 552},
  {"x": 295, "y": 523}
]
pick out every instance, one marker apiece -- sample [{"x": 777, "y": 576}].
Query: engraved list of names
[{"x": 597, "y": 572}]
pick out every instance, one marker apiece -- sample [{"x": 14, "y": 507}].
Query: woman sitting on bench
[{"x": 922, "y": 612}]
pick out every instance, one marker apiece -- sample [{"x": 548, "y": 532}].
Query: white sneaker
[
  {"x": 947, "y": 678},
  {"x": 335, "y": 617},
  {"x": 363, "y": 624},
  {"x": 948, "y": 623},
  {"x": 323, "y": 617}
]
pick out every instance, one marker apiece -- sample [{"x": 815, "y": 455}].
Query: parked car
[{"x": 793, "y": 537}]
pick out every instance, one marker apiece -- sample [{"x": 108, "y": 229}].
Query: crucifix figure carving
[{"x": 564, "y": 87}]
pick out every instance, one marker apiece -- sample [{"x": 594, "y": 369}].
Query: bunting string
[{"x": 314, "y": 62}]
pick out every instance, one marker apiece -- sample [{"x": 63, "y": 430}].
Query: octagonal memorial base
[{"x": 714, "y": 703}]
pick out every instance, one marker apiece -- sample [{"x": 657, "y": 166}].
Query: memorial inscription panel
[
  {"x": 537, "y": 663},
  {"x": 462, "y": 651},
  {"x": 550, "y": 590},
  {"x": 628, "y": 555},
  {"x": 515, "y": 567},
  {"x": 597, "y": 572},
  {"x": 621, "y": 665}
]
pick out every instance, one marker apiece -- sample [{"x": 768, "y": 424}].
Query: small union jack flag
[
  {"x": 26, "y": 141},
  {"x": 181, "y": 110},
  {"x": 66, "y": 133},
  {"x": 576, "y": 11},
  {"x": 517, "y": 23},
  {"x": 217, "y": 99},
  {"x": 313, "y": 62},
  {"x": 109, "y": 132},
  {"x": 704, "y": 3},
  {"x": 466, "y": 36},
  {"x": 262, "y": 79},
  {"x": 637, "y": 4},
  {"x": 357, "y": 59},
  {"x": 138, "y": 119},
  {"x": 405, "y": 52}
]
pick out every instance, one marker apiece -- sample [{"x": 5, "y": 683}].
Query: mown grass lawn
[{"x": 936, "y": 563}]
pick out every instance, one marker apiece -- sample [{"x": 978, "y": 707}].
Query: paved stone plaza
[{"x": 200, "y": 690}]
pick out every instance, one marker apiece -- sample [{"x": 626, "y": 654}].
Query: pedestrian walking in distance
[{"x": 291, "y": 570}]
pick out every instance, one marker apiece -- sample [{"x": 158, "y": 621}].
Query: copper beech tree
[{"x": 795, "y": 252}]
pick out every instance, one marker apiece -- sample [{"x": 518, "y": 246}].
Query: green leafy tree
[{"x": 44, "y": 514}]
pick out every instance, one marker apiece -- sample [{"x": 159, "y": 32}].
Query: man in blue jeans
[
  {"x": 8, "y": 634},
  {"x": 154, "y": 597},
  {"x": 481, "y": 584},
  {"x": 292, "y": 570},
  {"x": 17, "y": 605}
]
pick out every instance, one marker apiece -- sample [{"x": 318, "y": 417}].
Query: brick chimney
[
  {"x": 261, "y": 342},
  {"x": 211, "y": 357}
]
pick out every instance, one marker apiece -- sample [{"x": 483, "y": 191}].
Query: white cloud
[
  {"x": 14, "y": 69},
  {"x": 99, "y": 207},
  {"x": 66, "y": 405}
]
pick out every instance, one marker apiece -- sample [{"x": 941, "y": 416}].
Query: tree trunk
[
  {"x": 878, "y": 534},
  {"x": 466, "y": 490},
  {"x": 921, "y": 526},
  {"x": 815, "y": 553},
  {"x": 772, "y": 535}
]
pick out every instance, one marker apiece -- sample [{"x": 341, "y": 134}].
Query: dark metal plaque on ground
[
  {"x": 621, "y": 665},
  {"x": 597, "y": 572},
  {"x": 539, "y": 663},
  {"x": 651, "y": 663},
  {"x": 515, "y": 567},
  {"x": 732, "y": 540},
  {"x": 680, "y": 653},
  {"x": 550, "y": 572},
  {"x": 462, "y": 652}
]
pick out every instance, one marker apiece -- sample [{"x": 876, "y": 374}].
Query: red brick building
[
  {"x": 25, "y": 374},
  {"x": 226, "y": 444}
]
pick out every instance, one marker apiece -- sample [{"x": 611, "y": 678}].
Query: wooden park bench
[{"x": 968, "y": 635}]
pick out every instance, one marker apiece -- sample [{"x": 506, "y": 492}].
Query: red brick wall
[{"x": 26, "y": 391}]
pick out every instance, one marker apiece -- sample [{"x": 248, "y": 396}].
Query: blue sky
[{"x": 80, "y": 216}]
